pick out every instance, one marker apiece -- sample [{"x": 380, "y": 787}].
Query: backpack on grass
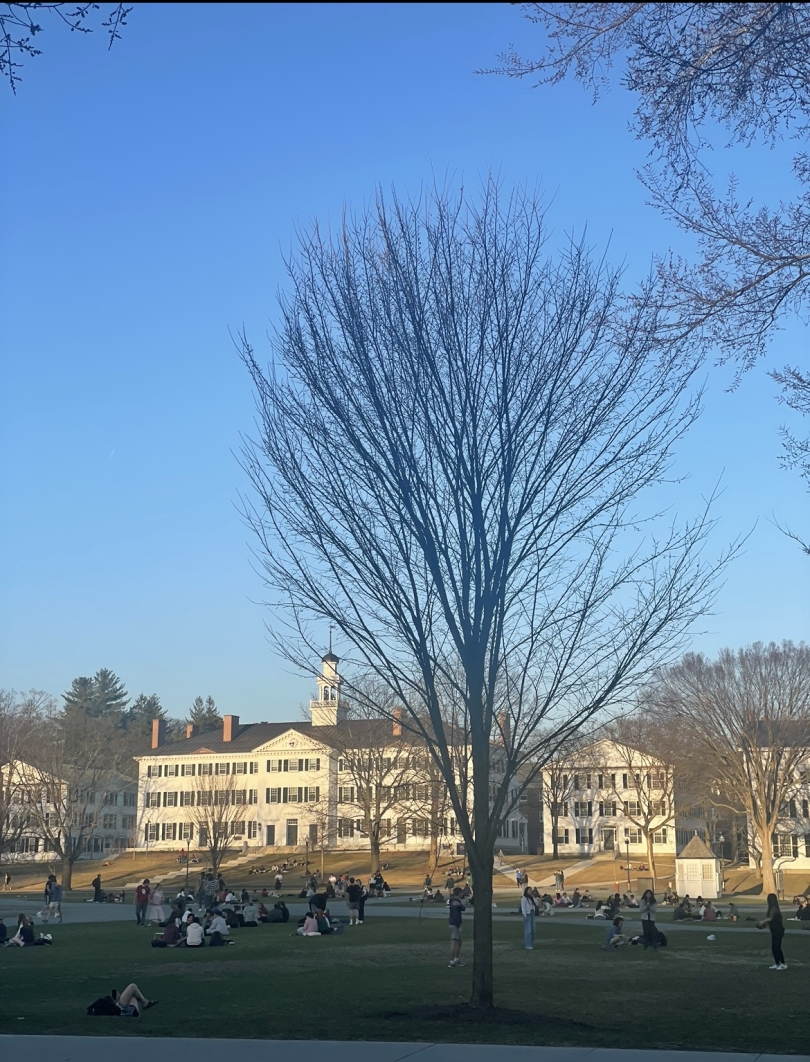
[{"x": 104, "y": 1007}]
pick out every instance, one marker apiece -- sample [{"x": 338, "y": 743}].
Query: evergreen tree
[
  {"x": 81, "y": 697},
  {"x": 143, "y": 710},
  {"x": 205, "y": 714},
  {"x": 102, "y": 696}
]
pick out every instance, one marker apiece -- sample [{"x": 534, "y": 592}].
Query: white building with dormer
[{"x": 287, "y": 784}]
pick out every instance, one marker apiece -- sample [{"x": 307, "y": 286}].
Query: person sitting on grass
[
  {"x": 24, "y": 937},
  {"x": 709, "y": 913},
  {"x": 218, "y": 930},
  {"x": 615, "y": 935},
  {"x": 3, "y": 932},
  {"x": 250, "y": 915},
  {"x": 169, "y": 938},
  {"x": 733, "y": 913},
  {"x": 195, "y": 934},
  {"x": 310, "y": 927},
  {"x": 803, "y": 913},
  {"x": 324, "y": 925}
]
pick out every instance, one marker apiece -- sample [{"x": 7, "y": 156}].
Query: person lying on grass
[{"x": 126, "y": 1004}]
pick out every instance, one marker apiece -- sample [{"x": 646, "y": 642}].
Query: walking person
[
  {"x": 98, "y": 895},
  {"x": 773, "y": 920},
  {"x": 6, "y": 881},
  {"x": 528, "y": 908},
  {"x": 54, "y": 906},
  {"x": 649, "y": 933},
  {"x": 456, "y": 909},
  {"x": 142, "y": 902}
]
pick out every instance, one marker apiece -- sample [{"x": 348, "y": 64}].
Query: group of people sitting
[
  {"x": 25, "y": 936},
  {"x": 317, "y": 923},
  {"x": 702, "y": 911},
  {"x": 183, "y": 928},
  {"x": 802, "y": 905}
]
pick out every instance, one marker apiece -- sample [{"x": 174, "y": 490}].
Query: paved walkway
[{"x": 128, "y": 1048}]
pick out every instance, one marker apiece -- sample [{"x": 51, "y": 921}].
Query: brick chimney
[
  {"x": 397, "y": 722},
  {"x": 230, "y": 726},
  {"x": 158, "y": 733},
  {"x": 192, "y": 730},
  {"x": 505, "y": 728}
]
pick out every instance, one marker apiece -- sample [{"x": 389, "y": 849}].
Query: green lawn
[{"x": 388, "y": 980}]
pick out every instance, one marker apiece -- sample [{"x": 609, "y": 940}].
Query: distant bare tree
[
  {"x": 218, "y": 815},
  {"x": 21, "y": 716},
  {"x": 18, "y": 29},
  {"x": 449, "y": 455},
  {"x": 749, "y": 711},
  {"x": 694, "y": 69}
]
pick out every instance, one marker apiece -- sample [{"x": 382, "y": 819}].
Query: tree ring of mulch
[{"x": 465, "y": 1014}]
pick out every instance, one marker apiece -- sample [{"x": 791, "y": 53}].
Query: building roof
[
  {"x": 251, "y": 736},
  {"x": 697, "y": 849}
]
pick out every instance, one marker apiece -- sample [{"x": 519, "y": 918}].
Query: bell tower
[{"x": 327, "y": 709}]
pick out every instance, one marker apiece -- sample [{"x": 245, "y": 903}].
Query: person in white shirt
[
  {"x": 218, "y": 930},
  {"x": 195, "y": 935},
  {"x": 528, "y": 908}
]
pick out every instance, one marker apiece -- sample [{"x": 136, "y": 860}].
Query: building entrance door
[
  {"x": 271, "y": 835},
  {"x": 608, "y": 840},
  {"x": 292, "y": 833}
]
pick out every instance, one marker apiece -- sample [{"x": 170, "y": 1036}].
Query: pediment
[{"x": 291, "y": 740}]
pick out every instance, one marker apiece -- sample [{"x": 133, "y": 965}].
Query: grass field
[{"x": 388, "y": 980}]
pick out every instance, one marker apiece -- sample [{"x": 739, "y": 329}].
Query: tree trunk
[
  {"x": 67, "y": 875},
  {"x": 765, "y": 833},
  {"x": 651, "y": 857},
  {"x": 555, "y": 820},
  {"x": 433, "y": 857},
  {"x": 482, "y": 974},
  {"x": 374, "y": 848}
]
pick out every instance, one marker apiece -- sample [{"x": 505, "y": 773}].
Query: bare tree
[
  {"x": 694, "y": 70},
  {"x": 18, "y": 29},
  {"x": 750, "y": 712},
  {"x": 449, "y": 455},
  {"x": 20, "y": 719},
  {"x": 558, "y": 787},
  {"x": 218, "y": 815},
  {"x": 73, "y": 768}
]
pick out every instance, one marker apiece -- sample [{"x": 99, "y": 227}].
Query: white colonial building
[{"x": 290, "y": 783}]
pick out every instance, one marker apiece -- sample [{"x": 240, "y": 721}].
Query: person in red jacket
[{"x": 142, "y": 893}]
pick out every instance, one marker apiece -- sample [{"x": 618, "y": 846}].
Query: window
[
  {"x": 312, "y": 793},
  {"x": 187, "y": 798},
  {"x": 559, "y": 809},
  {"x": 514, "y": 826},
  {"x": 613, "y": 781},
  {"x": 152, "y": 832},
  {"x": 154, "y": 770},
  {"x": 786, "y": 844},
  {"x": 807, "y": 845},
  {"x": 152, "y": 800},
  {"x": 345, "y": 828},
  {"x": 186, "y": 831},
  {"x": 708, "y": 872},
  {"x": 170, "y": 800},
  {"x": 658, "y": 807},
  {"x": 253, "y": 830},
  {"x": 128, "y": 822},
  {"x": 607, "y": 808},
  {"x": 314, "y": 764},
  {"x": 187, "y": 770},
  {"x": 600, "y": 781},
  {"x": 624, "y": 781},
  {"x": 583, "y": 808},
  {"x": 420, "y": 828},
  {"x": 240, "y": 796},
  {"x": 584, "y": 836},
  {"x": 171, "y": 770},
  {"x": 295, "y": 794},
  {"x": 385, "y": 829},
  {"x": 805, "y": 809},
  {"x": 342, "y": 764},
  {"x": 109, "y": 822},
  {"x": 240, "y": 768},
  {"x": 168, "y": 831},
  {"x": 238, "y": 828},
  {"x": 205, "y": 768},
  {"x": 562, "y": 836},
  {"x": 582, "y": 781},
  {"x": 660, "y": 836},
  {"x": 632, "y": 834},
  {"x": 254, "y": 767},
  {"x": 632, "y": 808},
  {"x": 293, "y": 765},
  {"x": 657, "y": 779},
  {"x": 222, "y": 768},
  {"x": 205, "y": 798},
  {"x": 253, "y": 796},
  {"x": 792, "y": 809},
  {"x": 130, "y": 800},
  {"x": 272, "y": 796},
  {"x": 273, "y": 765},
  {"x": 221, "y": 797},
  {"x": 346, "y": 794}
]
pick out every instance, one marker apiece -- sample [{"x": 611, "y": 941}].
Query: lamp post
[
  {"x": 306, "y": 859},
  {"x": 721, "y": 841},
  {"x": 627, "y": 847}
]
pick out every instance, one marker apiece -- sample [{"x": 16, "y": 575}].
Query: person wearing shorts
[
  {"x": 54, "y": 908},
  {"x": 354, "y": 894},
  {"x": 456, "y": 909}
]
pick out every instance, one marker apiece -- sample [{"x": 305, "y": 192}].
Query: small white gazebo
[{"x": 697, "y": 871}]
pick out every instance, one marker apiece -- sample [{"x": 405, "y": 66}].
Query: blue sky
[{"x": 150, "y": 193}]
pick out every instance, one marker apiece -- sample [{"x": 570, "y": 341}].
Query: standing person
[
  {"x": 773, "y": 920},
  {"x": 54, "y": 901},
  {"x": 361, "y": 910},
  {"x": 649, "y": 933},
  {"x": 353, "y": 894},
  {"x": 155, "y": 909},
  {"x": 98, "y": 896},
  {"x": 557, "y": 881},
  {"x": 277, "y": 883},
  {"x": 47, "y": 896},
  {"x": 456, "y": 909},
  {"x": 142, "y": 902},
  {"x": 528, "y": 908},
  {"x": 6, "y": 881},
  {"x": 562, "y": 880},
  {"x": 500, "y": 857}
]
